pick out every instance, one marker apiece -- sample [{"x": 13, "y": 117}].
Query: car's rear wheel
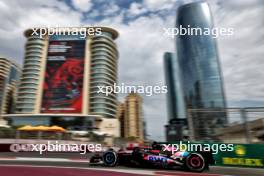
[
  {"x": 195, "y": 162},
  {"x": 110, "y": 158}
]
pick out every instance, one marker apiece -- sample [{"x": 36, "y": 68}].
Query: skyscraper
[
  {"x": 61, "y": 77},
  {"x": 175, "y": 100},
  {"x": 9, "y": 76},
  {"x": 169, "y": 61},
  {"x": 199, "y": 70},
  {"x": 175, "y": 103},
  {"x": 198, "y": 59}
]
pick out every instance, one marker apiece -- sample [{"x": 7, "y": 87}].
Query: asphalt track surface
[{"x": 53, "y": 164}]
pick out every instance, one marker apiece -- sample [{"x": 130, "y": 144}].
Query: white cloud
[
  {"x": 110, "y": 9},
  {"x": 242, "y": 54},
  {"x": 82, "y": 5},
  {"x": 154, "y": 5},
  {"x": 136, "y": 9},
  {"x": 28, "y": 14}
]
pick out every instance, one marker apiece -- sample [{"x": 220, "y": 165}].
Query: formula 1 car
[{"x": 155, "y": 158}]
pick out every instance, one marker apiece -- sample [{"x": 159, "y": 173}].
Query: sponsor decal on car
[{"x": 157, "y": 158}]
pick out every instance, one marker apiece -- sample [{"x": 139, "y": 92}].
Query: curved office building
[
  {"x": 198, "y": 59},
  {"x": 200, "y": 69},
  {"x": 30, "y": 78},
  {"x": 103, "y": 73},
  {"x": 61, "y": 77}
]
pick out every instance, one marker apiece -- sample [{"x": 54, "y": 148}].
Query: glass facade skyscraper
[
  {"x": 198, "y": 59},
  {"x": 169, "y": 61},
  {"x": 193, "y": 74},
  {"x": 200, "y": 69},
  {"x": 175, "y": 101}
]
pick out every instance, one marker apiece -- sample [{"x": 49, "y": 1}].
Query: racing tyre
[
  {"x": 110, "y": 158},
  {"x": 195, "y": 162}
]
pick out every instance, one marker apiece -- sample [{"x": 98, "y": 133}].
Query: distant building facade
[
  {"x": 9, "y": 77},
  {"x": 121, "y": 118},
  {"x": 175, "y": 103},
  {"x": 131, "y": 117},
  {"x": 169, "y": 68}
]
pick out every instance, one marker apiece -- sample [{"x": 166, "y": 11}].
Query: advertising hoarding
[{"x": 63, "y": 83}]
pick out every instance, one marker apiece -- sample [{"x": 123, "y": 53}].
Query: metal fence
[{"x": 231, "y": 125}]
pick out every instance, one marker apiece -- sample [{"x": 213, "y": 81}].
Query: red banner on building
[{"x": 63, "y": 85}]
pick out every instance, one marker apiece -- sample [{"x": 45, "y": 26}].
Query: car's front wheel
[{"x": 110, "y": 158}]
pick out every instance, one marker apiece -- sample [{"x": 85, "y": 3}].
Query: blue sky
[{"x": 141, "y": 42}]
